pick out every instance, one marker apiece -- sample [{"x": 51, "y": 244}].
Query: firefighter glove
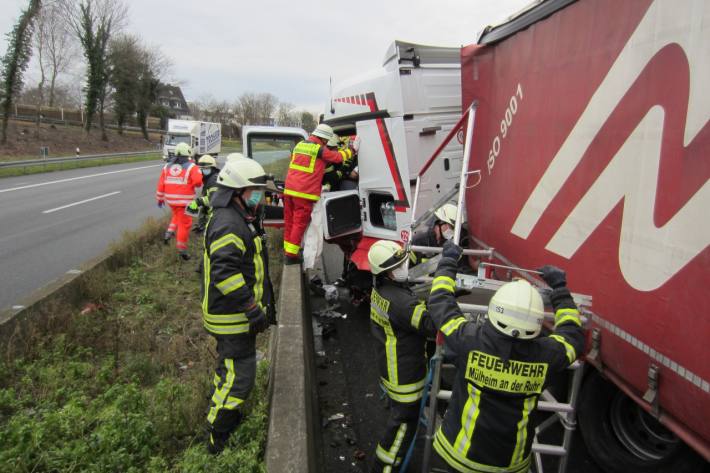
[
  {"x": 452, "y": 250},
  {"x": 161, "y": 204},
  {"x": 553, "y": 276},
  {"x": 194, "y": 206},
  {"x": 257, "y": 320}
]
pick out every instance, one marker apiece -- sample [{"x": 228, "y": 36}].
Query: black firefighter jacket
[
  {"x": 498, "y": 381},
  {"x": 233, "y": 271},
  {"x": 400, "y": 323}
]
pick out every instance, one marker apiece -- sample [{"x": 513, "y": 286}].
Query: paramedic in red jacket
[
  {"x": 303, "y": 185},
  {"x": 176, "y": 186}
]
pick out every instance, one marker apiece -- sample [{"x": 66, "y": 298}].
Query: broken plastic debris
[
  {"x": 337, "y": 416},
  {"x": 331, "y": 293},
  {"x": 342, "y": 458},
  {"x": 330, "y": 314}
]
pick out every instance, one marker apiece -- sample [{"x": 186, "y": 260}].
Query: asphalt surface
[{"x": 51, "y": 223}]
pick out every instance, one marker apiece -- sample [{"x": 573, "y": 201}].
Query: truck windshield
[{"x": 175, "y": 139}]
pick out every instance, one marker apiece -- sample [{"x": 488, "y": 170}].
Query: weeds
[
  {"x": 89, "y": 163},
  {"x": 120, "y": 381}
]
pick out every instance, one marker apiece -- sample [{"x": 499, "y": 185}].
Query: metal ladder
[{"x": 564, "y": 411}]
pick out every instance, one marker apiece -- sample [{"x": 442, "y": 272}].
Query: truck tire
[{"x": 622, "y": 438}]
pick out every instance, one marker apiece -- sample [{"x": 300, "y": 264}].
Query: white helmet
[
  {"x": 334, "y": 141},
  {"x": 207, "y": 161},
  {"x": 183, "y": 149},
  {"x": 323, "y": 131},
  {"x": 447, "y": 213},
  {"x": 231, "y": 156},
  {"x": 240, "y": 172},
  {"x": 385, "y": 255},
  {"x": 517, "y": 310}
]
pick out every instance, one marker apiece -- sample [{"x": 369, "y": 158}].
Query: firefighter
[
  {"x": 303, "y": 185},
  {"x": 201, "y": 205},
  {"x": 234, "y": 285},
  {"x": 502, "y": 366},
  {"x": 439, "y": 232},
  {"x": 176, "y": 186},
  {"x": 401, "y": 324}
]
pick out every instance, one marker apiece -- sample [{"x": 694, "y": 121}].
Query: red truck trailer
[{"x": 593, "y": 140}]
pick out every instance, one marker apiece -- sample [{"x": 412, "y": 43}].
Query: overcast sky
[{"x": 223, "y": 48}]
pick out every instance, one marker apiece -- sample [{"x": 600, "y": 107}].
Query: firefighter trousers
[
  {"x": 180, "y": 224},
  {"x": 297, "y": 216},
  {"x": 233, "y": 381},
  {"x": 439, "y": 465},
  {"x": 399, "y": 432}
]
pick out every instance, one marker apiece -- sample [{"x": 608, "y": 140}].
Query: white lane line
[
  {"x": 80, "y": 202},
  {"x": 76, "y": 178}
]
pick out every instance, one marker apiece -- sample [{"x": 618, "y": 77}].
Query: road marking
[
  {"x": 80, "y": 202},
  {"x": 76, "y": 178}
]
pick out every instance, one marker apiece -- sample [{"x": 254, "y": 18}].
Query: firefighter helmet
[
  {"x": 334, "y": 141},
  {"x": 240, "y": 172},
  {"x": 183, "y": 149},
  {"x": 323, "y": 131},
  {"x": 517, "y": 310},
  {"x": 385, "y": 255},
  {"x": 447, "y": 214},
  {"x": 207, "y": 161}
]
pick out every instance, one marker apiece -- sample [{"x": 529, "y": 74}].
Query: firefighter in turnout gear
[
  {"x": 401, "y": 324},
  {"x": 201, "y": 205},
  {"x": 502, "y": 366},
  {"x": 176, "y": 186},
  {"x": 234, "y": 291},
  {"x": 439, "y": 231},
  {"x": 303, "y": 185}
]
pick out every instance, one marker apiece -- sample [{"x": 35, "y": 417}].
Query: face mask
[
  {"x": 448, "y": 234},
  {"x": 254, "y": 198},
  {"x": 206, "y": 172},
  {"x": 400, "y": 273}
]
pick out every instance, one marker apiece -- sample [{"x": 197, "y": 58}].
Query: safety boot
[
  {"x": 168, "y": 235},
  {"x": 216, "y": 441},
  {"x": 184, "y": 255}
]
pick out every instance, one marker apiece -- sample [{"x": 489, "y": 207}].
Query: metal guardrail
[{"x": 69, "y": 159}]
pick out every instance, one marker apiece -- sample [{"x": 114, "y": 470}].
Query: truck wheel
[{"x": 621, "y": 437}]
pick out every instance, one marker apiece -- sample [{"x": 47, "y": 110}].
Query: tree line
[{"x": 122, "y": 73}]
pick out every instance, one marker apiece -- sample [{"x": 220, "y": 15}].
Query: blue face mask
[
  {"x": 206, "y": 171},
  {"x": 254, "y": 199}
]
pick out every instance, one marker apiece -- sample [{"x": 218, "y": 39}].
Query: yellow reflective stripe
[
  {"x": 390, "y": 456},
  {"x": 569, "y": 349},
  {"x": 307, "y": 149},
  {"x": 464, "y": 465},
  {"x": 567, "y": 315},
  {"x": 404, "y": 393},
  {"x": 452, "y": 325},
  {"x": 226, "y": 240},
  {"x": 258, "y": 270},
  {"x": 443, "y": 282},
  {"x": 469, "y": 415},
  {"x": 221, "y": 394},
  {"x": 216, "y": 380},
  {"x": 226, "y": 329},
  {"x": 302, "y": 195},
  {"x": 522, "y": 435},
  {"x": 238, "y": 318},
  {"x": 330, "y": 169},
  {"x": 231, "y": 284},
  {"x": 291, "y": 248},
  {"x": 233, "y": 402},
  {"x": 417, "y": 314}
]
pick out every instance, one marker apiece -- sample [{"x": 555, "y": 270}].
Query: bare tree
[
  {"x": 93, "y": 22},
  {"x": 56, "y": 47},
  {"x": 15, "y": 61}
]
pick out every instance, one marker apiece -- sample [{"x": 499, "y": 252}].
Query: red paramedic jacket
[
  {"x": 308, "y": 162},
  {"x": 178, "y": 181}
]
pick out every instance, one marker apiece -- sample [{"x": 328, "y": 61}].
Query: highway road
[{"x": 51, "y": 223}]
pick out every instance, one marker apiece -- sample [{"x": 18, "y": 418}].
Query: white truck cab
[{"x": 203, "y": 137}]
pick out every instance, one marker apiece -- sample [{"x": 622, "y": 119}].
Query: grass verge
[
  {"x": 50, "y": 167},
  {"x": 121, "y": 380}
]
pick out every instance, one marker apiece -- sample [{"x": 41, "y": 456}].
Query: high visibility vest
[
  {"x": 177, "y": 183},
  {"x": 306, "y": 169}
]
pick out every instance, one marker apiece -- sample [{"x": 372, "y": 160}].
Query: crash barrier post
[{"x": 291, "y": 443}]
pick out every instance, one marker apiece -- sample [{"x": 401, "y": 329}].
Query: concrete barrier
[{"x": 291, "y": 445}]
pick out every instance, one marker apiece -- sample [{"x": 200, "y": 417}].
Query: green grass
[
  {"x": 123, "y": 384},
  {"x": 51, "y": 167}
]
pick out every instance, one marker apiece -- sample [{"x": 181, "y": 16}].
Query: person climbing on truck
[
  {"x": 502, "y": 367},
  {"x": 303, "y": 185}
]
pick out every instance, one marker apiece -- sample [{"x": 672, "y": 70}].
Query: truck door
[
  {"x": 271, "y": 147},
  {"x": 341, "y": 213}
]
